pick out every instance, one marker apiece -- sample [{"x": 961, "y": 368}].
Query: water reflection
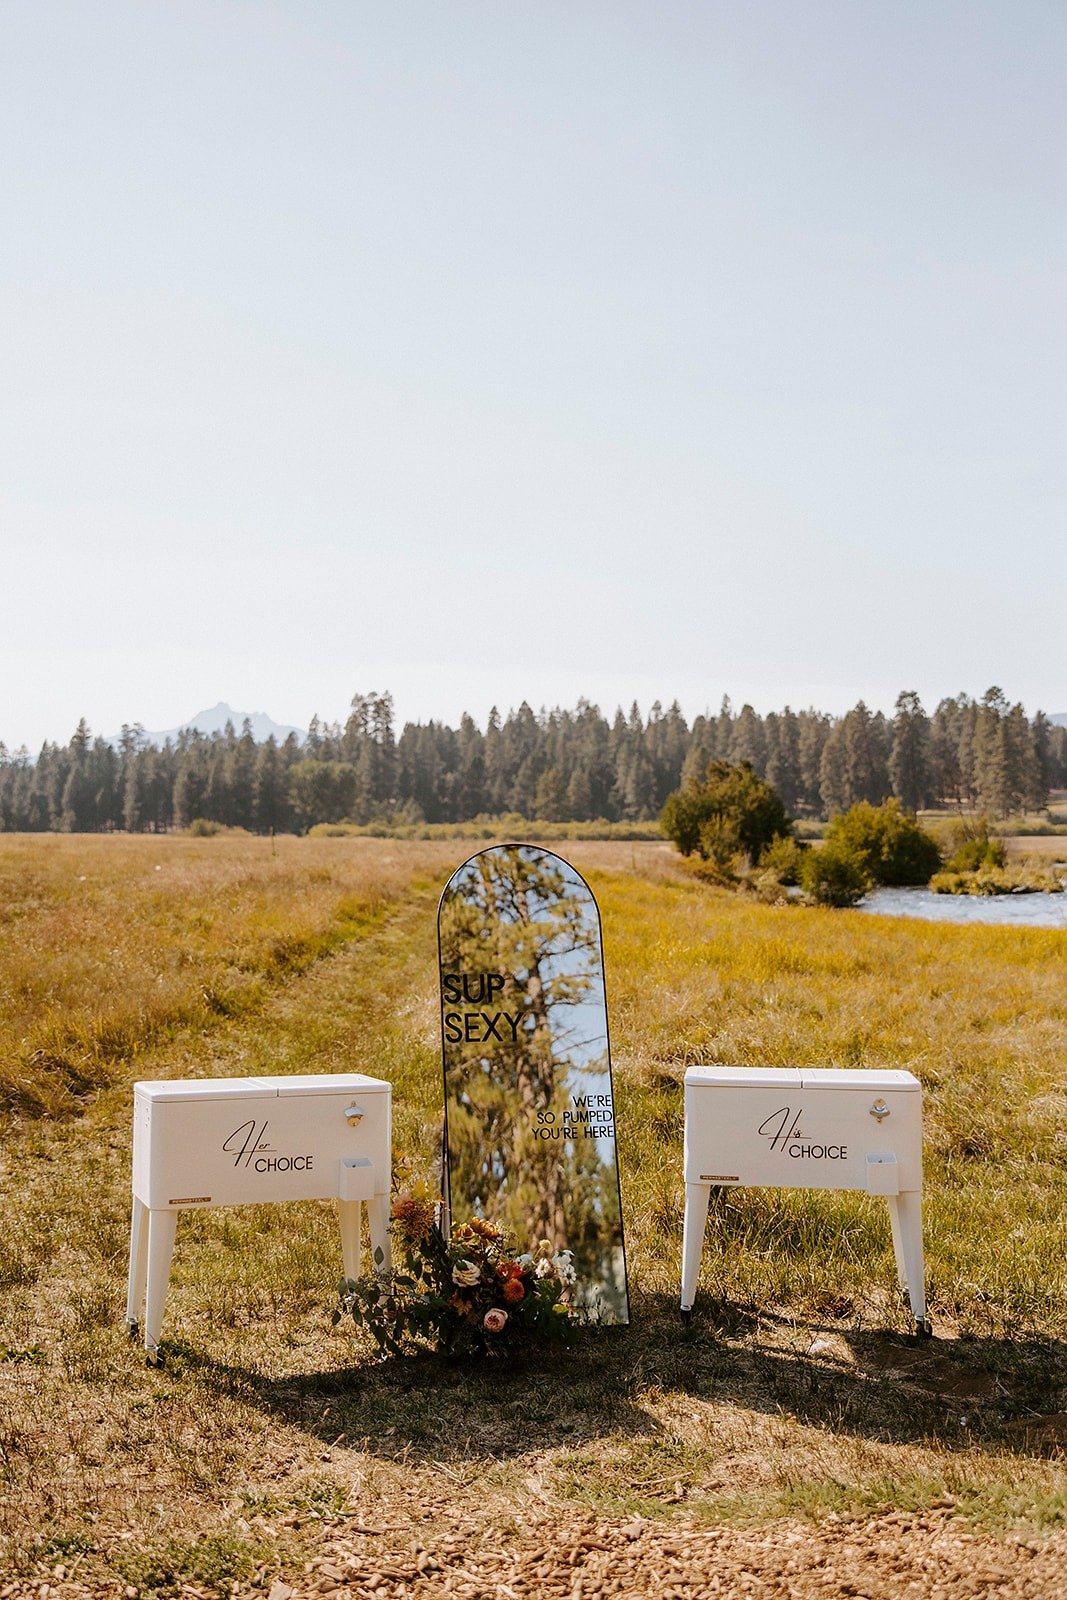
[{"x": 528, "y": 1101}]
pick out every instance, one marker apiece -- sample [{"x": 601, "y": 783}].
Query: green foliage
[
  {"x": 732, "y": 813},
  {"x": 834, "y": 876},
  {"x": 777, "y": 871},
  {"x": 204, "y": 828},
  {"x": 783, "y": 858},
  {"x": 321, "y": 791},
  {"x": 974, "y": 850},
  {"x": 909, "y": 754},
  {"x": 990, "y": 880},
  {"x": 34, "y": 1355},
  {"x": 216, "y": 1562},
  {"x": 510, "y": 828},
  {"x": 890, "y": 846}
]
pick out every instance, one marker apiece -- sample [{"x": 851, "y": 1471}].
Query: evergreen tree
[
  {"x": 78, "y": 802},
  {"x": 190, "y": 777},
  {"x": 748, "y": 741},
  {"x": 814, "y": 730},
  {"x": 968, "y": 734},
  {"x": 835, "y": 791},
  {"x": 701, "y": 751},
  {"x": 216, "y": 792},
  {"x": 1041, "y": 774},
  {"x": 666, "y": 739},
  {"x": 240, "y": 778},
  {"x": 783, "y": 771},
  {"x": 724, "y": 730},
  {"x": 271, "y": 801},
  {"x": 103, "y": 768},
  {"x": 634, "y": 787},
  {"x": 497, "y": 781},
  {"x": 1057, "y": 757},
  {"x": 946, "y": 776},
  {"x": 909, "y": 755},
  {"x": 134, "y": 804},
  {"x": 522, "y": 744},
  {"x": 550, "y": 798},
  {"x": 995, "y": 776},
  {"x": 321, "y": 791},
  {"x": 471, "y": 798},
  {"x": 865, "y": 752},
  {"x": 1029, "y": 791},
  {"x": 384, "y": 790}
]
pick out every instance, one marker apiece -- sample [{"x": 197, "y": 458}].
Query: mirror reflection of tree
[{"x": 522, "y": 914}]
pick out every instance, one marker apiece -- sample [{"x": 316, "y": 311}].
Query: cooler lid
[
  {"x": 857, "y": 1078},
  {"x": 207, "y": 1089},
  {"x": 328, "y": 1083},
  {"x": 749, "y": 1077}
]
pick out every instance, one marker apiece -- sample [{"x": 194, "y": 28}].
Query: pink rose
[{"x": 493, "y": 1321}]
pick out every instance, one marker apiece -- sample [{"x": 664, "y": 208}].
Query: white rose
[{"x": 465, "y": 1274}]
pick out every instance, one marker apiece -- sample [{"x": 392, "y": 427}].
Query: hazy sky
[{"x": 496, "y": 351}]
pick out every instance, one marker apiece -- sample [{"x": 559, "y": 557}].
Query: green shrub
[
  {"x": 976, "y": 855},
  {"x": 1024, "y": 878},
  {"x": 782, "y": 859},
  {"x": 891, "y": 846},
  {"x": 834, "y": 876},
  {"x": 511, "y": 828},
  {"x": 202, "y": 828},
  {"x": 974, "y": 850},
  {"x": 732, "y": 813}
]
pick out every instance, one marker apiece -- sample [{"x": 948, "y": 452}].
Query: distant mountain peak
[{"x": 214, "y": 720}]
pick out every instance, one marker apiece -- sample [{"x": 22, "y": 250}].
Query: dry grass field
[
  {"x": 794, "y": 1441},
  {"x": 1036, "y": 846}
]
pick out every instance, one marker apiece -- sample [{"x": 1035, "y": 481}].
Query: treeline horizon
[{"x": 561, "y": 765}]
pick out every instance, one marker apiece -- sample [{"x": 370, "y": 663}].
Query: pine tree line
[{"x": 559, "y": 765}]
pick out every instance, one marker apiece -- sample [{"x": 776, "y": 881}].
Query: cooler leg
[
  {"x": 162, "y": 1227},
  {"x": 138, "y": 1266},
  {"x": 898, "y": 1243},
  {"x": 697, "y": 1200},
  {"x": 906, "y": 1219},
  {"x": 378, "y": 1223},
  {"x": 349, "y": 1218}
]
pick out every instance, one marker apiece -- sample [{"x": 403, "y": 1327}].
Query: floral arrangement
[{"x": 469, "y": 1294}]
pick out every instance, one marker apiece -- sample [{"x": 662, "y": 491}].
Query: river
[{"x": 1012, "y": 910}]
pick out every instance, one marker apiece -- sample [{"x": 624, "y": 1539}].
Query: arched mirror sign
[{"x": 529, "y": 1112}]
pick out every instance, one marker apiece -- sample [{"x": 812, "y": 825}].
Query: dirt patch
[
  {"x": 925, "y": 1369},
  {"x": 896, "y": 1556}
]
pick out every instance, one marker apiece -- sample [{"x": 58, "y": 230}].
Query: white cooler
[
  {"x": 806, "y": 1128},
  {"x": 234, "y": 1141}
]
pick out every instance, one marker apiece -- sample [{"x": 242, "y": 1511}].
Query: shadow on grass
[{"x": 1006, "y": 1394}]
